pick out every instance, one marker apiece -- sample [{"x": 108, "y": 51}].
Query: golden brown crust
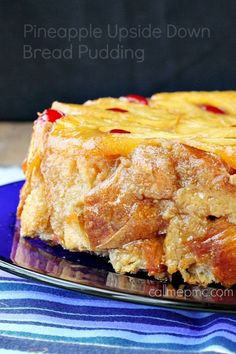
[
  {"x": 219, "y": 242},
  {"x": 125, "y": 206}
]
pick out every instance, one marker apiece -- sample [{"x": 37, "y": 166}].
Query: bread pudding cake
[{"x": 149, "y": 183}]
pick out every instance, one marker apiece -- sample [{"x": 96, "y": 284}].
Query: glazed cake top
[{"x": 205, "y": 120}]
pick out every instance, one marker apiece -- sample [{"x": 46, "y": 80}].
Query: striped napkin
[{"x": 37, "y": 318}]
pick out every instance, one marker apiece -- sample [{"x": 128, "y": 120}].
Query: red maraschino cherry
[
  {"x": 137, "y": 99},
  {"x": 117, "y": 110},
  {"x": 232, "y": 171},
  {"x": 51, "y": 115},
  {"x": 119, "y": 131},
  {"x": 212, "y": 109}
]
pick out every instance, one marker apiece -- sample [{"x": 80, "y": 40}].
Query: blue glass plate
[{"x": 80, "y": 271}]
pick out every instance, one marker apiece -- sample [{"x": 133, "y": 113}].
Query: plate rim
[{"x": 111, "y": 294}]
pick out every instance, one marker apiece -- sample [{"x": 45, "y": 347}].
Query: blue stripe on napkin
[{"x": 45, "y": 316}]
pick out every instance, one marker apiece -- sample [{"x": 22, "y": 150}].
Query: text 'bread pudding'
[{"x": 150, "y": 183}]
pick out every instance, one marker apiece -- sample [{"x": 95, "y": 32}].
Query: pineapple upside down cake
[{"x": 148, "y": 183}]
